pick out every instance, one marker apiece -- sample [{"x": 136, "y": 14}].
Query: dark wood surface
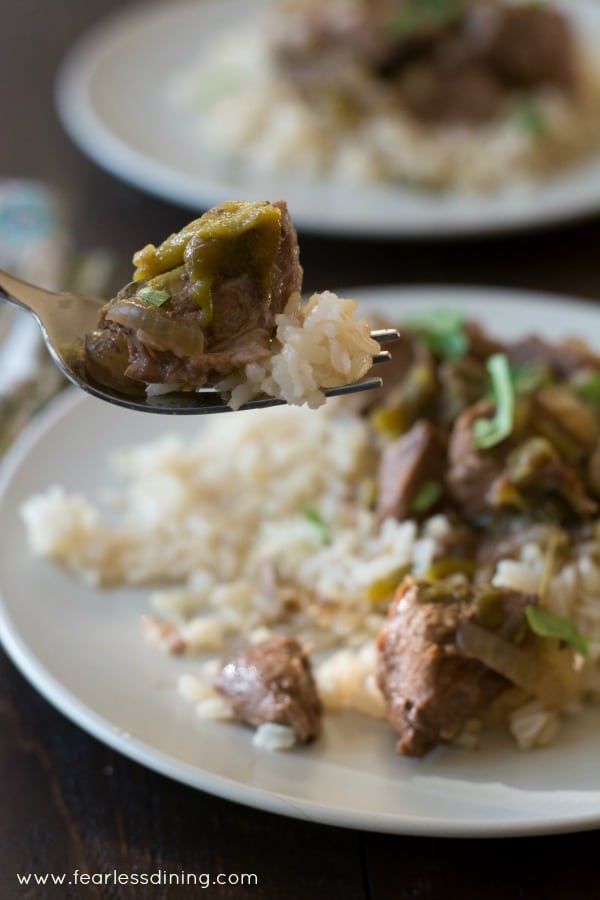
[{"x": 66, "y": 801}]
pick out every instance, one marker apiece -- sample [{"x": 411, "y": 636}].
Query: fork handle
[{"x": 23, "y": 295}]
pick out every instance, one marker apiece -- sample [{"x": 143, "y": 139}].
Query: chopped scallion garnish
[
  {"x": 444, "y": 332},
  {"x": 417, "y": 14},
  {"x": 589, "y": 390},
  {"x": 489, "y": 432},
  {"x": 530, "y": 119},
  {"x": 153, "y": 296},
  {"x": 427, "y": 496},
  {"x": 318, "y": 521},
  {"x": 545, "y": 623}
]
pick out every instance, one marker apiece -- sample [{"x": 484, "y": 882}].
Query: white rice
[
  {"x": 270, "y": 736},
  {"x": 246, "y": 110},
  {"x": 295, "y": 547},
  {"x": 318, "y": 345}
]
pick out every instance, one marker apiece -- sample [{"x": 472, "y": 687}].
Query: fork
[{"x": 64, "y": 318}]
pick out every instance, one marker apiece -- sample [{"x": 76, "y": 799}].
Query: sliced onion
[
  {"x": 163, "y": 332},
  {"x": 515, "y": 664}
]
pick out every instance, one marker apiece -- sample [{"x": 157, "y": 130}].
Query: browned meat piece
[
  {"x": 471, "y": 472},
  {"x": 154, "y": 366},
  {"x": 481, "y": 345},
  {"x": 431, "y": 689},
  {"x": 560, "y": 359},
  {"x": 407, "y": 464},
  {"x": 107, "y": 358},
  {"x": 287, "y": 274},
  {"x": 466, "y": 94},
  {"x": 273, "y": 682},
  {"x": 528, "y": 46}
]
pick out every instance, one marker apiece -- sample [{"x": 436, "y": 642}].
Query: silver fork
[{"x": 65, "y": 318}]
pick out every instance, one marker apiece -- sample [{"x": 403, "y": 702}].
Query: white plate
[
  {"x": 83, "y": 651},
  {"x": 112, "y": 100}
]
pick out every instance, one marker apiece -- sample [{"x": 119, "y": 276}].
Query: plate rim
[
  {"x": 93, "y": 135},
  {"x": 65, "y": 700}
]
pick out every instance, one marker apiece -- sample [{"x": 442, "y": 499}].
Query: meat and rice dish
[
  {"x": 219, "y": 304},
  {"x": 428, "y": 553},
  {"x": 460, "y": 93}
]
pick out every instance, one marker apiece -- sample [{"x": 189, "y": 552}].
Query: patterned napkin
[{"x": 34, "y": 245}]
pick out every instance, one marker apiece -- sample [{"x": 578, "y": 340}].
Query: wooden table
[{"x": 66, "y": 801}]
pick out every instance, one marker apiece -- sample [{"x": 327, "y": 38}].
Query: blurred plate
[
  {"x": 82, "y": 649},
  {"x": 113, "y": 100}
]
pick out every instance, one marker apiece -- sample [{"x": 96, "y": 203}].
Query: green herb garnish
[
  {"x": 547, "y": 624},
  {"x": 427, "y": 496},
  {"x": 444, "y": 332},
  {"x": 419, "y": 14},
  {"x": 589, "y": 390},
  {"x": 489, "y": 432},
  {"x": 153, "y": 296},
  {"x": 530, "y": 119},
  {"x": 318, "y": 521}
]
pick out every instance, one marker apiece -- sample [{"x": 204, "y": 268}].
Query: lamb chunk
[
  {"x": 237, "y": 309},
  {"x": 471, "y": 471},
  {"x": 272, "y": 682},
  {"x": 406, "y": 465},
  {"x": 107, "y": 358},
  {"x": 561, "y": 360},
  {"x": 466, "y": 94},
  {"x": 431, "y": 689},
  {"x": 287, "y": 274},
  {"x": 528, "y": 46},
  {"x": 481, "y": 345}
]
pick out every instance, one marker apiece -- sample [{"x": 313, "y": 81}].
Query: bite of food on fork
[{"x": 212, "y": 320}]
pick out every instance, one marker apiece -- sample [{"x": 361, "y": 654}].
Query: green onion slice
[
  {"x": 589, "y": 390},
  {"x": 489, "y": 432},
  {"x": 427, "y": 496},
  {"x": 153, "y": 296},
  {"x": 443, "y": 331},
  {"x": 545, "y": 623},
  {"x": 530, "y": 119},
  {"x": 318, "y": 521},
  {"x": 417, "y": 14}
]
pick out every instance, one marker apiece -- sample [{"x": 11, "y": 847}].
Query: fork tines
[{"x": 383, "y": 336}]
